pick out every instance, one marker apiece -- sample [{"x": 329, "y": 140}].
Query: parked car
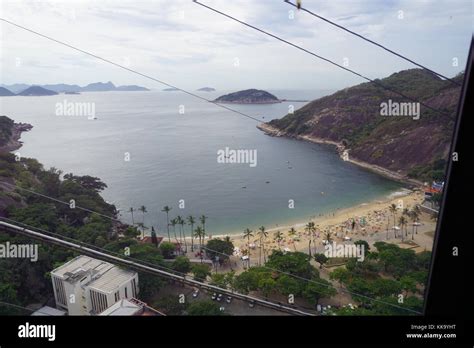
[
  {"x": 251, "y": 304},
  {"x": 195, "y": 293},
  {"x": 228, "y": 299},
  {"x": 219, "y": 298},
  {"x": 214, "y": 296}
]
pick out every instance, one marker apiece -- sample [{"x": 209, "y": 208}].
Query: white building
[
  {"x": 48, "y": 311},
  {"x": 123, "y": 307},
  {"x": 87, "y": 286}
]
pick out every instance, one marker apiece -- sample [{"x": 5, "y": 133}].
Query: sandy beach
[{"x": 367, "y": 221}]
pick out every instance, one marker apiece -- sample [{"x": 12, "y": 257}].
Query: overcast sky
[{"x": 189, "y": 46}]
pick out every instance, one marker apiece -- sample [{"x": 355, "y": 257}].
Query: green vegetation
[
  {"x": 415, "y": 148},
  {"x": 285, "y": 273},
  {"x": 170, "y": 305},
  {"x": 392, "y": 274},
  {"x": 181, "y": 264},
  {"x": 223, "y": 280},
  {"x": 201, "y": 272},
  {"x": 434, "y": 170},
  {"x": 22, "y": 284},
  {"x": 167, "y": 249},
  {"x": 6, "y": 127},
  {"x": 221, "y": 248},
  {"x": 205, "y": 307}
]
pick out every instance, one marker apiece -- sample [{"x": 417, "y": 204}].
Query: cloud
[{"x": 157, "y": 37}]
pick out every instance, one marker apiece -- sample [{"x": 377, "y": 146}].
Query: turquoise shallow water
[{"x": 173, "y": 157}]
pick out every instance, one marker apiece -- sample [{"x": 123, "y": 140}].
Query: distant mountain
[
  {"x": 206, "y": 89},
  {"x": 401, "y": 147},
  {"x": 5, "y": 92},
  {"x": 16, "y": 88},
  {"x": 37, "y": 91},
  {"x": 248, "y": 96},
  {"x": 99, "y": 87},
  {"x": 170, "y": 89},
  {"x": 63, "y": 88},
  {"x": 131, "y": 88}
]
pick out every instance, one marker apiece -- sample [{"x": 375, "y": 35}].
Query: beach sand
[{"x": 371, "y": 222}]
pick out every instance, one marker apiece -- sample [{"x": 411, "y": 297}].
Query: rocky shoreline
[
  {"x": 14, "y": 142},
  {"x": 275, "y": 132}
]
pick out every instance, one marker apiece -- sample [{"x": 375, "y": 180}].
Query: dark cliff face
[
  {"x": 417, "y": 148},
  {"x": 248, "y": 96}
]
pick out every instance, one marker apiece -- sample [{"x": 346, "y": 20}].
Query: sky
[{"x": 189, "y": 46}]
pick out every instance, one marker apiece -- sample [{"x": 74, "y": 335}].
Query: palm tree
[
  {"x": 310, "y": 228},
  {"x": 203, "y": 219},
  {"x": 181, "y": 222},
  {"x": 143, "y": 210},
  {"x": 178, "y": 222},
  {"x": 173, "y": 223},
  {"x": 154, "y": 240},
  {"x": 414, "y": 218},
  {"x": 292, "y": 233},
  {"x": 247, "y": 234},
  {"x": 278, "y": 237},
  {"x": 262, "y": 234},
  {"x": 166, "y": 210},
  {"x": 406, "y": 211},
  {"x": 191, "y": 222},
  {"x": 417, "y": 209},
  {"x": 402, "y": 221},
  {"x": 199, "y": 233},
  {"x": 131, "y": 211},
  {"x": 393, "y": 210},
  {"x": 328, "y": 235}
]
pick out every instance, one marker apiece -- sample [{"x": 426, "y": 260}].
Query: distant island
[
  {"x": 248, "y": 96},
  {"x": 5, "y": 92},
  {"x": 172, "y": 89},
  {"x": 20, "y": 88},
  {"x": 36, "y": 91},
  {"x": 131, "y": 88},
  {"x": 206, "y": 89}
]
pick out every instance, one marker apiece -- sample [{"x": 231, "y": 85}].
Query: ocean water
[{"x": 173, "y": 157}]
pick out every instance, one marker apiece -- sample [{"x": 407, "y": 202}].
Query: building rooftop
[
  {"x": 79, "y": 266},
  {"x": 149, "y": 240},
  {"x": 123, "y": 307},
  {"x": 106, "y": 277},
  {"x": 48, "y": 311},
  {"x": 111, "y": 279}
]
